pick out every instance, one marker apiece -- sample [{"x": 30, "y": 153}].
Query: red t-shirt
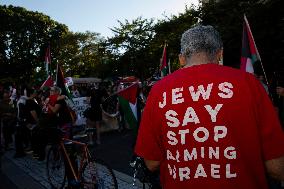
[{"x": 210, "y": 126}]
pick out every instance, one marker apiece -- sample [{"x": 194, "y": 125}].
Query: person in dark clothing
[
  {"x": 34, "y": 111},
  {"x": 64, "y": 120},
  {"x": 64, "y": 123},
  {"x": 95, "y": 116},
  {"x": 28, "y": 114},
  {"x": 7, "y": 119}
]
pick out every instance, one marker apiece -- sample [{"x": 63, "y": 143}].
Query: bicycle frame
[{"x": 86, "y": 156}]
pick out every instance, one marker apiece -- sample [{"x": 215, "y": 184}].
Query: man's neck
[{"x": 198, "y": 59}]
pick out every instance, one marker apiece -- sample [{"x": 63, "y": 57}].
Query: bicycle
[
  {"x": 149, "y": 180},
  {"x": 91, "y": 173}
]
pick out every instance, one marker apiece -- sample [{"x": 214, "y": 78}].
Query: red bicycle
[{"x": 88, "y": 173}]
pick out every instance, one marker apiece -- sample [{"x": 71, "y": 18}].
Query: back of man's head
[
  {"x": 201, "y": 39},
  {"x": 56, "y": 89}
]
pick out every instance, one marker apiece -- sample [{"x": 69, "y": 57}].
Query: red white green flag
[
  {"x": 249, "y": 50},
  {"x": 47, "y": 59},
  {"x": 48, "y": 82},
  {"x": 60, "y": 82},
  {"x": 128, "y": 101},
  {"x": 164, "y": 66}
]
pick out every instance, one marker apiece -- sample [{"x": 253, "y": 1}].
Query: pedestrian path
[{"x": 37, "y": 170}]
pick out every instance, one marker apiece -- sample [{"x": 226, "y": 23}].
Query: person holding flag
[{"x": 94, "y": 115}]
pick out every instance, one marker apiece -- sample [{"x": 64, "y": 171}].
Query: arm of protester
[
  {"x": 55, "y": 108},
  {"x": 61, "y": 97},
  {"x": 152, "y": 165},
  {"x": 275, "y": 168},
  {"x": 271, "y": 133},
  {"x": 34, "y": 115}
]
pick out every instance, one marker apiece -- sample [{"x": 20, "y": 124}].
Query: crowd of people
[
  {"x": 29, "y": 115},
  {"x": 26, "y": 114}
]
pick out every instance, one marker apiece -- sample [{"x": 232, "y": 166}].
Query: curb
[{"x": 27, "y": 173}]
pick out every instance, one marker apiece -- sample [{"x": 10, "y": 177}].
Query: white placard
[
  {"x": 69, "y": 81},
  {"x": 80, "y": 105}
]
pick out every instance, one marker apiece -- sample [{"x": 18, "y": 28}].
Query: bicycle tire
[
  {"x": 96, "y": 174},
  {"x": 55, "y": 167}
]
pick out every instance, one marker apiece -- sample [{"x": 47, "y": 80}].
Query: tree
[
  {"x": 81, "y": 53},
  {"x": 169, "y": 30},
  {"x": 266, "y": 20},
  {"x": 130, "y": 39},
  {"x": 24, "y": 35}
]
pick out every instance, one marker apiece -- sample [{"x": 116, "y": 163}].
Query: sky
[{"x": 101, "y": 15}]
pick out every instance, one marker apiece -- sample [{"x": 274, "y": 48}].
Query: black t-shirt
[
  {"x": 31, "y": 105},
  {"x": 63, "y": 114},
  {"x": 5, "y": 108},
  {"x": 97, "y": 98}
]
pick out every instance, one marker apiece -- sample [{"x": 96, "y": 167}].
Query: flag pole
[
  {"x": 161, "y": 61},
  {"x": 56, "y": 79},
  {"x": 47, "y": 60},
  {"x": 248, "y": 27}
]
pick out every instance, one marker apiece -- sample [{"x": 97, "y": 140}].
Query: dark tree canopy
[
  {"x": 266, "y": 19},
  {"x": 23, "y": 37},
  {"x": 137, "y": 45}
]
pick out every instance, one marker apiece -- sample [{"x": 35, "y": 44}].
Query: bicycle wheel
[
  {"x": 98, "y": 175},
  {"x": 55, "y": 168}
]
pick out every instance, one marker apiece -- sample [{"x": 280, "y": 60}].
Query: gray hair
[
  {"x": 201, "y": 39},
  {"x": 56, "y": 89}
]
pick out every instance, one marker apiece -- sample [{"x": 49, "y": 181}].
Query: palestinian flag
[
  {"x": 128, "y": 102},
  {"x": 47, "y": 59},
  {"x": 164, "y": 66},
  {"x": 249, "y": 51},
  {"x": 47, "y": 83},
  {"x": 60, "y": 82}
]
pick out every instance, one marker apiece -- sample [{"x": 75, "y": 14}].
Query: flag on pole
[
  {"x": 128, "y": 102},
  {"x": 60, "y": 82},
  {"x": 47, "y": 59},
  {"x": 47, "y": 83},
  {"x": 164, "y": 69},
  {"x": 249, "y": 50}
]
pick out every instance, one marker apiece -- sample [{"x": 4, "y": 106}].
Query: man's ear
[
  {"x": 220, "y": 56},
  {"x": 182, "y": 60}
]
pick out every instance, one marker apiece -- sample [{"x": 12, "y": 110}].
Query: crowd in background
[
  {"x": 23, "y": 108},
  {"x": 30, "y": 117}
]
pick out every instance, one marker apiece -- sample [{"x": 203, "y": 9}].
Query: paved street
[
  {"x": 27, "y": 173},
  {"x": 5, "y": 182}
]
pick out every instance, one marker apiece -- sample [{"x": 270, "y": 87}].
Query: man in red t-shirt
[{"x": 210, "y": 126}]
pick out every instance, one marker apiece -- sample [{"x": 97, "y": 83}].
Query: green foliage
[
  {"x": 81, "y": 53},
  {"x": 129, "y": 46},
  {"x": 137, "y": 45},
  {"x": 266, "y": 21},
  {"x": 169, "y": 31},
  {"x": 24, "y": 35}
]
